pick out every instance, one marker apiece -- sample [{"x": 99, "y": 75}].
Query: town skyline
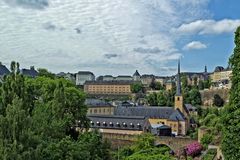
[{"x": 116, "y": 38}]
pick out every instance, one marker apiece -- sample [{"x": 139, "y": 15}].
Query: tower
[
  {"x": 136, "y": 76},
  {"x": 178, "y": 97}
]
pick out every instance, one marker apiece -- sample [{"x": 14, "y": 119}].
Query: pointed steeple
[
  {"x": 178, "y": 91},
  {"x": 205, "y": 69}
]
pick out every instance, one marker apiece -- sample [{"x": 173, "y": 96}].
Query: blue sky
[{"x": 118, "y": 37}]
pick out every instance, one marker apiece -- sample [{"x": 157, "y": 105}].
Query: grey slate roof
[
  {"x": 219, "y": 69},
  {"x": 151, "y": 112},
  {"x": 177, "y": 115},
  {"x": 29, "y": 72},
  {"x": 97, "y": 103},
  {"x": 118, "y": 122},
  {"x": 136, "y": 73},
  {"x": 3, "y": 70},
  {"x": 85, "y": 72}
]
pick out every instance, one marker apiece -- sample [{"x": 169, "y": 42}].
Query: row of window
[
  {"x": 99, "y": 110},
  {"x": 117, "y": 124}
]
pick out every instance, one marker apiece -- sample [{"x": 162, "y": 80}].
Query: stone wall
[{"x": 207, "y": 96}]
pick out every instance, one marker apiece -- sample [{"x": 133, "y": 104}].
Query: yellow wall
[
  {"x": 108, "y": 89},
  {"x": 101, "y": 110}
]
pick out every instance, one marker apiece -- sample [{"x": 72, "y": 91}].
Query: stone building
[
  {"x": 108, "y": 87},
  {"x": 221, "y": 78},
  {"x": 115, "y": 126},
  {"x": 83, "y": 76},
  {"x": 136, "y": 76}
]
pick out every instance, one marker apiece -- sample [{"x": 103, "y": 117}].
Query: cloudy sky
[{"x": 118, "y": 36}]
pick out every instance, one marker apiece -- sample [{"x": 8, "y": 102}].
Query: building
[
  {"x": 132, "y": 120},
  {"x": 136, "y": 76},
  {"x": 108, "y": 87},
  {"x": 221, "y": 78},
  {"x": 29, "y": 72},
  {"x": 170, "y": 84},
  {"x": 195, "y": 77},
  {"x": 69, "y": 76},
  {"x": 83, "y": 76},
  {"x": 99, "y": 107},
  {"x": 114, "y": 126},
  {"x": 123, "y": 78},
  {"x": 3, "y": 71},
  {"x": 108, "y": 78},
  {"x": 147, "y": 80},
  {"x": 161, "y": 80}
]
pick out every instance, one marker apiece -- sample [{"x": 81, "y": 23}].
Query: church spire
[{"x": 178, "y": 92}]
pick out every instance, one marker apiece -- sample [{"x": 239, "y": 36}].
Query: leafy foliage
[
  {"x": 38, "y": 119},
  {"x": 136, "y": 87},
  {"x": 231, "y": 119},
  {"x": 143, "y": 149}
]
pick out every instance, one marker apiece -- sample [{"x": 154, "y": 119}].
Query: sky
[{"x": 118, "y": 36}]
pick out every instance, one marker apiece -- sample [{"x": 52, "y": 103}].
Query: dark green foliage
[
  {"x": 206, "y": 140},
  {"x": 143, "y": 149},
  {"x": 194, "y": 97},
  {"x": 42, "y": 72},
  {"x": 218, "y": 101},
  {"x": 136, "y": 87},
  {"x": 231, "y": 120},
  {"x": 38, "y": 119}
]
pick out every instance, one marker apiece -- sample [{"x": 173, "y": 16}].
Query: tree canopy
[
  {"x": 231, "y": 120},
  {"x": 38, "y": 119}
]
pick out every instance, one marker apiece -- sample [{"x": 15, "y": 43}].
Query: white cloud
[
  {"x": 208, "y": 27},
  {"x": 194, "y": 45},
  {"x": 72, "y": 35}
]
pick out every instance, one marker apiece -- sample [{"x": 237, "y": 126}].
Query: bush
[{"x": 206, "y": 140}]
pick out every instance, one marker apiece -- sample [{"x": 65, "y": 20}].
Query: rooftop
[{"x": 114, "y": 82}]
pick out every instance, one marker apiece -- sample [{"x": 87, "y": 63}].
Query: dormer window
[
  {"x": 98, "y": 123},
  {"x": 104, "y": 124},
  {"x": 132, "y": 125},
  {"x": 124, "y": 124},
  {"x": 117, "y": 124},
  {"x": 111, "y": 124},
  {"x": 139, "y": 126},
  {"x": 91, "y": 122}
]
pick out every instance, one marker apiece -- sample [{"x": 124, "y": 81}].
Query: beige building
[
  {"x": 108, "y": 87},
  {"x": 99, "y": 107},
  {"x": 221, "y": 78}
]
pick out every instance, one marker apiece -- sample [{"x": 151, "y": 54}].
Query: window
[{"x": 178, "y": 98}]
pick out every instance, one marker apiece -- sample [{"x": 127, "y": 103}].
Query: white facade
[{"x": 82, "y": 77}]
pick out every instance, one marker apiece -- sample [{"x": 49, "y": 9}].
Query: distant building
[
  {"x": 147, "y": 80},
  {"x": 3, "y": 71},
  {"x": 221, "y": 78},
  {"x": 128, "y": 119},
  {"x": 161, "y": 80},
  {"x": 170, "y": 84},
  {"x": 83, "y": 76},
  {"x": 29, "y": 72},
  {"x": 69, "y": 76},
  {"x": 124, "y": 78},
  {"x": 136, "y": 76},
  {"x": 117, "y": 126},
  {"x": 108, "y": 87},
  {"x": 99, "y": 107},
  {"x": 108, "y": 78},
  {"x": 195, "y": 77}
]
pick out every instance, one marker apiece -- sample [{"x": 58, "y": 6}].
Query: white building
[{"x": 83, "y": 76}]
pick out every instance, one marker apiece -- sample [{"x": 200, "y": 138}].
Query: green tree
[
  {"x": 136, "y": 87},
  {"x": 201, "y": 85},
  {"x": 45, "y": 73},
  {"x": 231, "y": 120},
  {"x": 161, "y": 99},
  {"x": 194, "y": 97}
]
